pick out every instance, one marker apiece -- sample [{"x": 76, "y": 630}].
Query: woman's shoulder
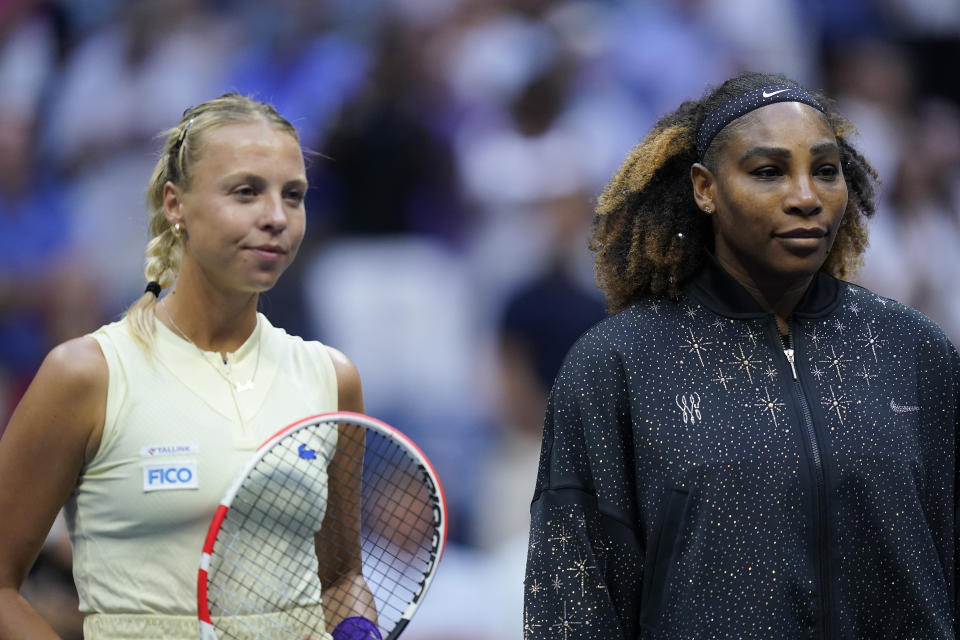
[
  {"x": 611, "y": 342},
  {"x": 77, "y": 362},
  {"x": 116, "y": 340},
  {"x": 637, "y": 321},
  {"x": 309, "y": 363},
  {"x": 312, "y": 350},
  {"x": 861, "y": 301},
  {"x": 898, "y": 320},
  {"x": 68, "y": 394},
  {"x": 280, "y": 341}
]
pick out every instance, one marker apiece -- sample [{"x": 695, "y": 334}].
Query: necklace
[{"x": 239, "y": 386}]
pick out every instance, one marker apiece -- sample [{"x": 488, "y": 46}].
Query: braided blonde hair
[{"x": 181, "y": 149}]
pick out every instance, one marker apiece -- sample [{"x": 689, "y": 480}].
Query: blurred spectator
[
  {"x": 121, "y": 84},
  {"x": 492, "y": 50},
  {"x": 402, "y": 306},
  {"x": 542, "y": 318},
  {"x": 127, "y": 79},
  {"x": 389, "y": 220},
  {"x": 49, "y": 587},
  {"x": 477, "y": 595},
  {"x": 924, "y": 18},
  {"x": 874, "y": 86},
  {"x": 459, "y": 143},
  {"x": 666, "y": 52},
  {"x": 912, "y": 141},
  {"x": 30, "y": 44},
  {"x": 46, "y": 294},
  {"x": 292, "y": 56},
  {"x": 389, "y": 167},
  {"x": 784, "y": 43},
  {"x": 914, "y": 246}
]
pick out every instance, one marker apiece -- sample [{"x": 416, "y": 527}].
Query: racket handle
[{"x": 356, "y": 628}]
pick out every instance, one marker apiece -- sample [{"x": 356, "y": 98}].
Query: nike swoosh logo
[
  {"x": 902, "y": 408},
  {"x": 773, "y": 93}
]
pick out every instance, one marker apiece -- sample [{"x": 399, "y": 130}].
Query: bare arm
[
  {"x": 349, "y": 390},
  {"x": 54, "y": 431},
  {"x": 341, "y": 572}
]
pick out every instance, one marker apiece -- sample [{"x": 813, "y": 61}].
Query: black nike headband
[{"x": 744, "y": 104}]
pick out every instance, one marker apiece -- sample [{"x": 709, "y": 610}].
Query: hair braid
[{"x": 183, "y": 145}]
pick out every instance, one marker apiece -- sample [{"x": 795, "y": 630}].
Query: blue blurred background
[{"x": 459, "y": 146}]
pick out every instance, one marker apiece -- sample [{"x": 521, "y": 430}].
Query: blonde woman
[{"x": 192, "y": 379}]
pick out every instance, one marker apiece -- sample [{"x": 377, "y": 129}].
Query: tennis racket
[{"x": 333, "y": 529}]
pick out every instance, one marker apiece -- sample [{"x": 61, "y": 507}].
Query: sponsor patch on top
[
  {"x": 168, "y": 476},
  {"x": 169, "y": 450}
]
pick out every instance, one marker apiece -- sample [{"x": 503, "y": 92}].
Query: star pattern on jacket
[{"x": 695, "y": 484}]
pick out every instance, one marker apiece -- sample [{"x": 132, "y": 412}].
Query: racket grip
[{"x": 356, "y": 628}]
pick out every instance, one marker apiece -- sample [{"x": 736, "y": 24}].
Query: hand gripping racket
[{"x": 333, "y": 529}]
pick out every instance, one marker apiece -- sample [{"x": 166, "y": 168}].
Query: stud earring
[{"x": 707, "y": 210}]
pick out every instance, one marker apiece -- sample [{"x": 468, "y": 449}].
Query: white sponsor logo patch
[
  {"x": 169, "y": 450},
  {"x": 170, "y": 475}
]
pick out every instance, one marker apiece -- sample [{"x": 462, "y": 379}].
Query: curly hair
[{"x": 649, "y": 235}]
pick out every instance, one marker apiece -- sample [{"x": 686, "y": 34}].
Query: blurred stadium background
[{"x": 459, "y": 145}]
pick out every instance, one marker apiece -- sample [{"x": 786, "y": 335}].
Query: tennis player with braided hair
[
  {"x": 139, "y": 427},
  {"x": 749, "y": 446}
]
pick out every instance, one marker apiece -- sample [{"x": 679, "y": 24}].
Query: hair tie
[
  {"x": 153, "y": 287},
  {"x": 743, "y": 104}
]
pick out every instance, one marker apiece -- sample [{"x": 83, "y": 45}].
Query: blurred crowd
[{"x": 455, "y": 148}]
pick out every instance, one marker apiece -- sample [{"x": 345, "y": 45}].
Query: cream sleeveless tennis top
[{"x": 176, "y": 433}]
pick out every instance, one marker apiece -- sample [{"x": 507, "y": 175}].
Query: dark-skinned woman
[{"x": 748, "y": 446}]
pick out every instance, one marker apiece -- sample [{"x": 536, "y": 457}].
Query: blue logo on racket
[{"x": 306, "y": 453}]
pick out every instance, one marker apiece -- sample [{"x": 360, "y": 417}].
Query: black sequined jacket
[{"x": 704, "y": 477}]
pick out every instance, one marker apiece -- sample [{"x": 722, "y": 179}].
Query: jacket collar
[{"x": 717, "y": 290}]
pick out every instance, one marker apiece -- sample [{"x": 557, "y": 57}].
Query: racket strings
[
  {"x": 259, "y": 571},
  {"x": 264, "y": 572},
  {"x": 396, "y": 527}
]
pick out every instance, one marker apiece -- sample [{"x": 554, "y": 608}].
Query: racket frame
[{"x": 439, "y": 508}]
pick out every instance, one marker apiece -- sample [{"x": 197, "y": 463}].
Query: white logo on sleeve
[{"x": 170, "y": 476}]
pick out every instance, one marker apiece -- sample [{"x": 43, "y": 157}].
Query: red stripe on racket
[{"x": 334, "y": 526}]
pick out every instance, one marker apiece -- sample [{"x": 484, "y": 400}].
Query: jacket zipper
[{"x": 818, "y": 473}]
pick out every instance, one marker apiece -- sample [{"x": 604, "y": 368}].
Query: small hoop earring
[{"x": 178, "y": 230}]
